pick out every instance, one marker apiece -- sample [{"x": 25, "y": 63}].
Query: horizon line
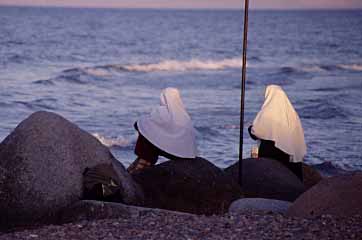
[{"x": 180, "y": 8}]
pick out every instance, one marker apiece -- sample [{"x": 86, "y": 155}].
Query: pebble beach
[{"x": 160, "y": 225}]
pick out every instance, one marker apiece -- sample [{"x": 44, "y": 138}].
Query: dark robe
[{"x": 267, "y": 149}]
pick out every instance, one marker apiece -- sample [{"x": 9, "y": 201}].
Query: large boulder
[
  {"x": 267, "y": 178},
  {"x": 339, "y": 195},
  {"x": 41, "y": 166},
  {"x": 310, "y": 176},
  {"x": 194, "y": 186},
  {"x": 258, "y": 205}
]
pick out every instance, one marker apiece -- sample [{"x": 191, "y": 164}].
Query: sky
[{"x": 257, "y": 4}]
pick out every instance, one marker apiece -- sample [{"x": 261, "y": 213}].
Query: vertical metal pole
[{"x": 245, "y": 41}]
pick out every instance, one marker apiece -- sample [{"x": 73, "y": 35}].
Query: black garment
[
  {"x": 267, "y": 149},
  {"x": 102, "y": 183}
]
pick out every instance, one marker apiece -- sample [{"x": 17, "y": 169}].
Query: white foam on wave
[
  {"x": 98, "y": 72},
  {"x": 193, "y": 64},
  {"x": 112, "y": 142},
  {"x": 313, "y": 69},
  {"x": 354, "y": 67},
  {"x": 231, "y": 126}
]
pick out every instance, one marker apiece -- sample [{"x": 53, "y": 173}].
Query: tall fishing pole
[{"x": 245, "y": 41}]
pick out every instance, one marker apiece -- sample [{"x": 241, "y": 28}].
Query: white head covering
[
  {"x": 169, "y": 126},
  {"x": 279, "y": 122}
]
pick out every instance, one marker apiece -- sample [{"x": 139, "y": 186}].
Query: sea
[{"x": 105, "y": 68}]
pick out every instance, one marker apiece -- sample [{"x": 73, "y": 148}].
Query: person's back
[
  {"x": 167, "y": 131},
  {"x": 278, "y": 127}
]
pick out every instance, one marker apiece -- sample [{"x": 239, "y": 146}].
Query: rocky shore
[{"x": 41, "y": 194}]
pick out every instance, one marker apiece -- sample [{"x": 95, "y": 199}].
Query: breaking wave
[
  {"x": 313, "y": 69},
  {"x": 328, "y": 68},
  {"x": 83, "y": 75},
  {"x": 353, "y": 67},
  {"x": 112, "y": 142},
  {"x": 194, "y": 64}
]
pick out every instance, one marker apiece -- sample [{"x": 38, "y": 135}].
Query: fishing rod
[{"x": 241, "y": 140}]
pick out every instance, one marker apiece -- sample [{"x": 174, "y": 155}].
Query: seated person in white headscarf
[
  {"x": 278, "y": 127},
  {"x": 167, "y": 131}
]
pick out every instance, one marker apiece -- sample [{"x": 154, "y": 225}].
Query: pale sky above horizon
[{"x": 264, "y": 4}]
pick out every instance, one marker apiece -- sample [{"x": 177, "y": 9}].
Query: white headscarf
[
  {"x": 279, "y": 122},
  {"x": 169, "y": 126}
]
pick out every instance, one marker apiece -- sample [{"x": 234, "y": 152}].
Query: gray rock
[
  {"x": 267, "y": 178},
  {"x": 262, "y": 205},
  {"x": 194, "y": 186},
  {"x": 92, "y": 210},
  {"x": 41, "y": 168},
  {"x": 339, "y": 195}
]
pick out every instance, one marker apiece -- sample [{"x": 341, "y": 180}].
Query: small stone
[{"x": 259, "y": 205}]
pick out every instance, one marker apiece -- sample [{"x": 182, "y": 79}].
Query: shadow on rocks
[
  {"x": 194, "y": 186},
  {"x": 89, "y": 210},
  {"x": 267, "y": 178}
]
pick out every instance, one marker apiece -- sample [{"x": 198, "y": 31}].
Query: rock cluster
[{"x": 41, "y": 182}]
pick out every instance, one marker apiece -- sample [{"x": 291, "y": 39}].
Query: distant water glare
[{"x": 103, "y": 69}]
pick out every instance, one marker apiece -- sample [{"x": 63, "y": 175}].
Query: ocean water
[{"x": 103, "y": 69}]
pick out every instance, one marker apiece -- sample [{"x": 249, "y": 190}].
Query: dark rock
[
  {"x": 41, "y": 168},
  {"x": 131, "y": 192},
  {"x": 267, "y": 178},
  {"x": 92, "y": 210},
  {"x": 258, "y": 205},
  {"x": 310, "y": 176},
  {"x": 195, "y": 186},
  {"x": 339, "y": 195}
]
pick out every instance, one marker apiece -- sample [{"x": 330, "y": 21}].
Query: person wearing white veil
[
  {"x": 167, "y": 131},
  {"x": 279, "y": 129}
]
